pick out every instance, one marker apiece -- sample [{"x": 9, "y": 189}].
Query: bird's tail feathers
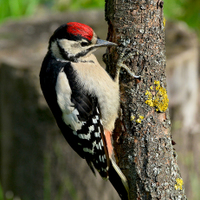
[{"x": 118, "y": 180}]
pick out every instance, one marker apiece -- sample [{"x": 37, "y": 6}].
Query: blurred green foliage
[
  {"x": 63, "y": 5},
  {"x": 1, "y": 193},
  {"x": 8, "y": 196},
  {"x": 184, "y": 10},
  {"x": 17, "y": 8}
]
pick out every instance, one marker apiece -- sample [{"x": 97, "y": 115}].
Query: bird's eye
[{"x": 83, "y": 44}]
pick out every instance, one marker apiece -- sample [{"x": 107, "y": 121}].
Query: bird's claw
[{"x": 120, "y": 64}]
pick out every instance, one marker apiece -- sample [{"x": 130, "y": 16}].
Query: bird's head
[{"x": 74, "y": 40}]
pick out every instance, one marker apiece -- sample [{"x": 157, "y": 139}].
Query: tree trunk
[{"x": 142, "y": 136}]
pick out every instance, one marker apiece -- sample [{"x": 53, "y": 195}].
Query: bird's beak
[{"x": 104, "y": 43}]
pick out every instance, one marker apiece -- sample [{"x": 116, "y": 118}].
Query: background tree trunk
[
  {"x": 35, "y": 160},
  {"x": 143, "y": 132}
]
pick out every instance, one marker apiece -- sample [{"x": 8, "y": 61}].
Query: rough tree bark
[{"x": 143, "y": 131}]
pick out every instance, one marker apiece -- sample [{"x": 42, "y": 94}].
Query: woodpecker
[{"x": 83, "y": 98}]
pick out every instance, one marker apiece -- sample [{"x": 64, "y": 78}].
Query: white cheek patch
[{"x": 71, "y": 47}]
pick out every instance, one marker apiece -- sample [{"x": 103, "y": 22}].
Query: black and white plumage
[{"x": 83, "y": 98}]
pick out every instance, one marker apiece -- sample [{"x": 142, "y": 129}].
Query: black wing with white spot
[
  {"x": 86, "y": 134},
  {"x": 91, "y": 141},
  {"x": 90, "y": 138}
]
